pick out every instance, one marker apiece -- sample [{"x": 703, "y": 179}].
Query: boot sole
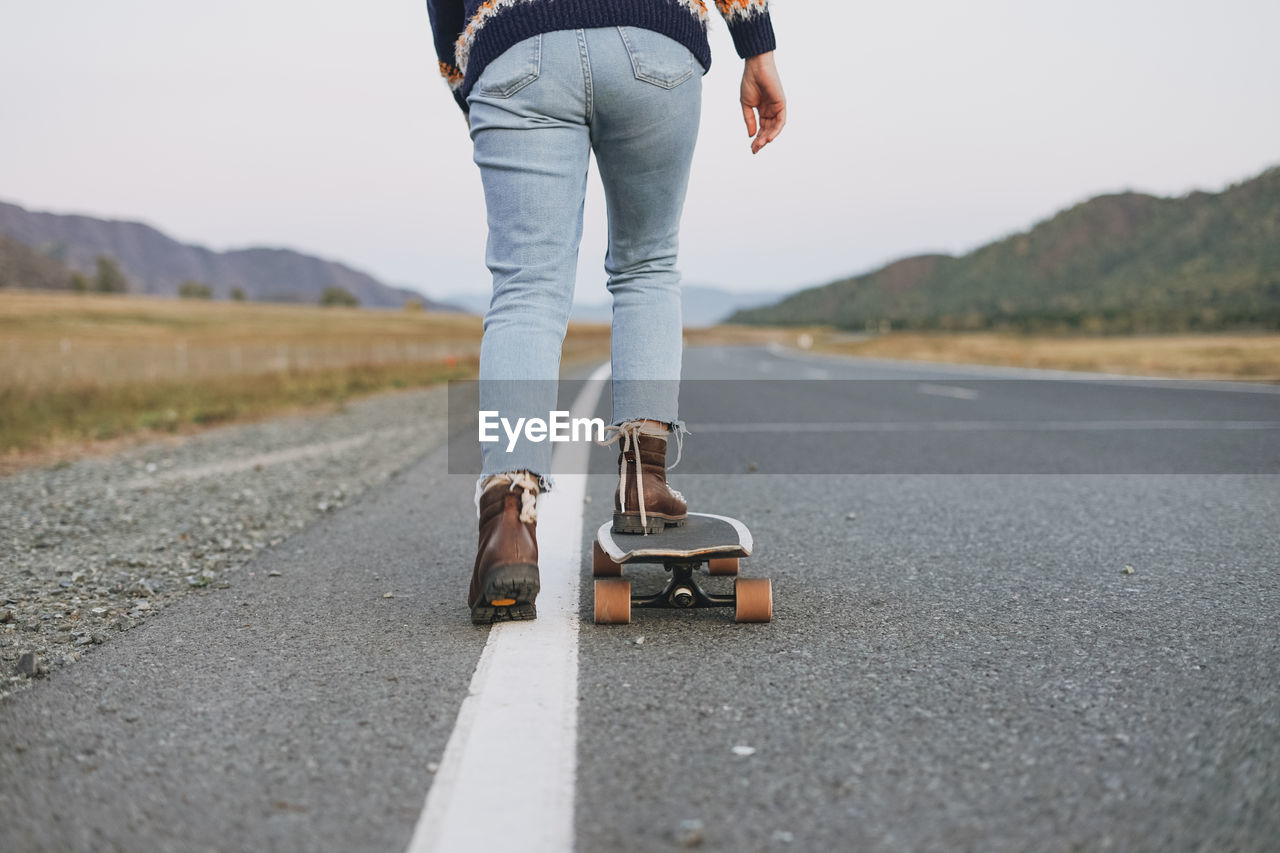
[
  {"x": 508, "y": 595},
  {"x": 628, "y": 523}
]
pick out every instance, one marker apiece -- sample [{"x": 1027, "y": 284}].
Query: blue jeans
[{"x": 537, "y": 112}]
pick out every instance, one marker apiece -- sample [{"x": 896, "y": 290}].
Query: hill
[
  {"x": 706, "y": 306},
  {"x": 1117, "y": 263},
  {"x": 21, "y": 266},
  {"x": 156, "y": 264}
]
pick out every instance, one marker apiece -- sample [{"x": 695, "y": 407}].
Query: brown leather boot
[
  {"x": 504, "y": 580},
  {"x": 643, "y": 502}
]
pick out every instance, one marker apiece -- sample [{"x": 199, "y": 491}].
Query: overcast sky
[{"x": 921, "y": 126}]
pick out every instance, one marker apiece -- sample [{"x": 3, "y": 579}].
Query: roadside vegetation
[
  {"x": 78, "y": 368},
  {"x": 1247, "y": 357},
  {"x": 1125, "y": 264}
]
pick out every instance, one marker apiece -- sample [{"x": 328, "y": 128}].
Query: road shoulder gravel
[
  {"x": 98, "y": 546},
  {"x": 302, "y": 708}
]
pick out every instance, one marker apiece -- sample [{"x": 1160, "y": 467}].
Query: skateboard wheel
[
  {"x": 722, "y": 566},
  {"x": 753, "y": 600},
  {"x": 601, "y": 565},
  {"x": 613, "y": 601}
]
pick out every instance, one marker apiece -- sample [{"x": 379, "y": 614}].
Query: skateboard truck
[{"x": 682, "y": 592}]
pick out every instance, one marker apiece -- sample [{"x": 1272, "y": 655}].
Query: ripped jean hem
[{"x": 545, "y": 484}]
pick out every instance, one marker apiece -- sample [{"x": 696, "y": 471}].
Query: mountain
[
  {"x": 1117, "y": 263},
  {"x": 472, "y": 303},
  {"x": 706, "y": 306},
  {"x": 702, "y": 305},
  {"x": 157, "y": 264}
]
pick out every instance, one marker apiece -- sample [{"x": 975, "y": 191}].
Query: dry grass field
[
  {"x": 62, "y": 339},
  {"x": 1254, "y": 358},
  {"x": 92, "y": 368},
  {"x": 80, "y": 372}
]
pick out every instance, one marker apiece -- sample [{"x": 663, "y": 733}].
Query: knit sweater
[{"x": 471, "y": 33}]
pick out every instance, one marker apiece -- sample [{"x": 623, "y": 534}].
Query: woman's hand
[{"x": 762, "y": 93}]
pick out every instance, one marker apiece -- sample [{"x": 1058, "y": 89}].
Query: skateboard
[{"x": 715, "y": 541}]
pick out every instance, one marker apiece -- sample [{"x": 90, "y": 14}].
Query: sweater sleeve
[
  {"x": 447, "y": 20},
  {"x": 749, "y": 24}
]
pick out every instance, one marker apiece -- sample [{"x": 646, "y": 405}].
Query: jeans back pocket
[
  {"x": 517, "y": 67},
  {"x": 656, "y": 58}
]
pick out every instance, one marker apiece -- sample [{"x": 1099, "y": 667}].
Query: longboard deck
[{"x": 703, "y": 535}]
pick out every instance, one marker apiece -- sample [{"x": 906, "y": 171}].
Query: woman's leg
[
  {"x": 528, "y": 124},
  {"x": 532, "y": 147},
  {"x": 648, "y": 99},
  {"x": 645, "y": 125}
]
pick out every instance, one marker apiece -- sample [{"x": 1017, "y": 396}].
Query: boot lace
[
  {"x": 627, "y": 437},
  {"x": 529, "y": 486}
]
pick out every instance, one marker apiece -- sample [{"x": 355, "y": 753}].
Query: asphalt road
[{"x": 1010, "y": 614}]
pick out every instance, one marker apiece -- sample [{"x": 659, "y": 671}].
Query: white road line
[
  {"x": 969, "y": 371},
  {"x": 979, "y": 372},
  {"x": 986, "y": 426},
  {"x": 510, "y": 766},
  {"x": 951, "y": 391}
]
